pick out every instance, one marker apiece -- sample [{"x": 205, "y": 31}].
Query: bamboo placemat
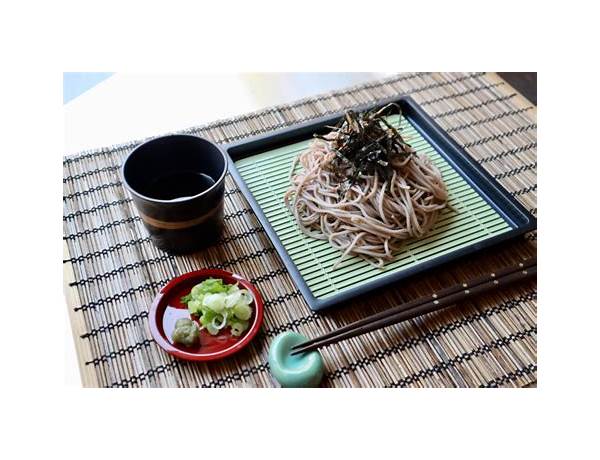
[{"x": 112, "y": 271}]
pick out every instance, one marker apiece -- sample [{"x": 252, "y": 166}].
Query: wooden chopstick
[
  {"x": 415, "y": 303},
  {"x": 440, "y": 300}
]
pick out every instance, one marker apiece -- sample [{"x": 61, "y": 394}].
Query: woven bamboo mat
[{"x": 112, "y": 271}]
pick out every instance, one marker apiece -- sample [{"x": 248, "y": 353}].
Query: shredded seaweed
[{"x": 365, "y": 143}]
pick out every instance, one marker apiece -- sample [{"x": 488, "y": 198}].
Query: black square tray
[{"x": 356, "y": 279}]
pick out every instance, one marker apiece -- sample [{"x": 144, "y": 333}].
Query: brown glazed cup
[{"x": 178, "y": 183}]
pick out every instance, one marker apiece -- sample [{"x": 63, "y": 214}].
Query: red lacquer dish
[{"x": 167, "y": 309}]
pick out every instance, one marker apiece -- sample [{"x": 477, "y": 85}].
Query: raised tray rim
[{"x": 520, "y": 220}]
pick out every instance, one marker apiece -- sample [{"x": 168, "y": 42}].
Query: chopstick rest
[{"x": 298, "y": 371}]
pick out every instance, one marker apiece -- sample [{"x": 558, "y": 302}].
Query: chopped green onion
[
  {"x": 238, "y": 327},
  {"x": 220, "y": 305},
  {"x": 242, "y": 311}
]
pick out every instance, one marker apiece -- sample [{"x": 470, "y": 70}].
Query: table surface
[
  {"x": 126, "y": 107},
  {"x": 524, "y": 82}
]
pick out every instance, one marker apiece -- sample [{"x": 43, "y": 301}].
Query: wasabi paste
[{"x": 186, "y": 332}]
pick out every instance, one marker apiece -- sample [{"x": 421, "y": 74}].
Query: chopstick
[
  {"x": 437, "y": 301},
  {"x": 415, "y": 303}
]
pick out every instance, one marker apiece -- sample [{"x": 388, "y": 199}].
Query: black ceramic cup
[{"x": 178, "y": 183}]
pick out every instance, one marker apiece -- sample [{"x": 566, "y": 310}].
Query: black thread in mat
[
  {"x": 414, "y": 341},
  {"x": 121, "y": 295},
  {"x": 108, "y": 204},
  {"x": 523, "y": 191},
  {"x": 515, "y": 171},
  {"x": 232, "y": 191},
  {"x": 289, "y": 325},
  {"x": 460, "y": 93},
  {"x": 96, "y": 208},
  {"x": 144, "y": 375},
  {"x": 510, "y": 377},
  {"x": 91, "y": 190},
  {"x": 269, "y": 276},
  {"x": 375, "y": 84},
  {"x": 100, "y": 152},
  {"x": 282, "y": 298},
  {"x": 122, "y": 352},
  {"x": 466, "y": 108},
  {"x": 247, "y": 372},
  {"x": 163, "y": 258},
  {"x": 123, "y": 269},
  {"x": 409, "y": 343},
  {"x": 495, "y": 137},
  {"x": 444, "y": 365},
  {"x": 238, "y": 213},
  {"x": 91, "y": 172},
  {"x": 505, "y": 153},
  {"x": 245, "y": 258},
  {"x": 239, "y": 236},
  {"x": 127, "y": 220},
  {"x": 439, "y": 84},
  {"x": 90, "y": 231},
  {"x": 111, "y": 326},
  {"x": 108, "y": 250},
  {"x": 482, "y": 121}
]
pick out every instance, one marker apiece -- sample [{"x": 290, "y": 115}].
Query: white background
[
  {"x": 134, "y": 106},
  {"x": 45, "y": 418}
]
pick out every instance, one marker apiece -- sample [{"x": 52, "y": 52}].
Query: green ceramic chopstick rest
[{"x": 298, "y": 371}]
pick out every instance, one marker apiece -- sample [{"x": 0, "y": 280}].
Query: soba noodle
[{"x": 372, "y": 217}]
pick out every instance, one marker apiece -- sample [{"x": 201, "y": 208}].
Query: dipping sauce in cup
[{"x": 178, "y": 183}]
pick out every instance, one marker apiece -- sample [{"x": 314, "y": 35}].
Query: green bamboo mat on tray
[
  {"x": 112, "y": 271},
  {"x": 267, "y": 177}
]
